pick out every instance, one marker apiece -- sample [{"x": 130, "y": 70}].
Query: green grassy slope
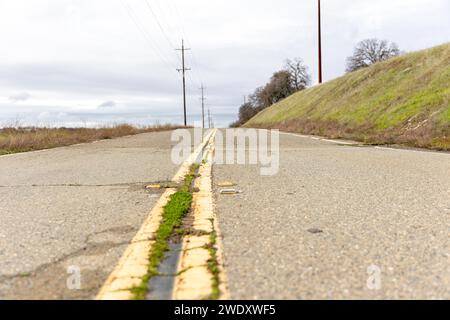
[{"x": 404, "y": 100}]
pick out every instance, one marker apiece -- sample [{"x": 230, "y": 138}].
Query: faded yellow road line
[
  {"x": 133, "y": 265},
  {"x": 195, "y": 280}
]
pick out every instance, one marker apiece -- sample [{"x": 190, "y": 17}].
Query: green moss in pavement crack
[
  {"x": 213, "y": 267},
  {"x": 187, "y": 184},
  {"x": 175, "y": 210}
]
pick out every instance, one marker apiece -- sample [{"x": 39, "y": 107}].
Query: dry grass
[
  {"x": 14, "y": 140},
  {"x": 429, "y": 136},
  {"x": 405, "y": 100}
]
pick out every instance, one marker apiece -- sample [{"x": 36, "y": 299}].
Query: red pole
[{"x": 320, "y": 43}]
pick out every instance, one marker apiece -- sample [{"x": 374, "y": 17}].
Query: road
[
  {"x": 336, "y": 221},
  {"x": 334, "y": 217},
  {"x": 74, "y": 206}
]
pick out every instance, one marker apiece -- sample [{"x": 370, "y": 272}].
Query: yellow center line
[{"x": 133, "y": 265}]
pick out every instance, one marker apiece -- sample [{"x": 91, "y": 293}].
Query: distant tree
[
  {"x": 246, "y": 112},
  {"x": 370, "y": 51},
  {"x": 300, "y": 77},
  {"x": 235, "y": 124},
  {"x": 279, "y": 87},
  {"x": 256, "y": 99},
  {"x": 282, "y": 84}
]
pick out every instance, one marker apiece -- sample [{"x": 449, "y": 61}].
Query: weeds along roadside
[{"x": 16, "y": 140}]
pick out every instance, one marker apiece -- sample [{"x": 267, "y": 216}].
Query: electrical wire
[
  {"x": 181, "y": 29},
  {"x": 146, "y": 36},
  {"x": 155, "y": 16}
]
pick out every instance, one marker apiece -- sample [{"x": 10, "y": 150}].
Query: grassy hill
[{"x": 404, "y": 100}]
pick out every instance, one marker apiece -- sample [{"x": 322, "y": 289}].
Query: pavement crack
[
  {"x": 113, "y": 230},
  {"x": 89, "y": 249},
  {"x": 76, "y": 185}
]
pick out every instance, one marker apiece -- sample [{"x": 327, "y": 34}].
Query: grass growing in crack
[
  {"x": 176, "y": 209},
  {"x": 213, "y": 266},
  {"x": 187, "y": 184}
]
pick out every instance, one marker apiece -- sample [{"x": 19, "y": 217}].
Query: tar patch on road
[{"x": 315, "y": 231}]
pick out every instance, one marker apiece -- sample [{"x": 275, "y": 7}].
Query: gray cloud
[
  {"x": 85, "y": 78},
  {"x": 69, "y": 55},
  {"x": 24, "y": 96},
  {"x": 108, "y": 104}
]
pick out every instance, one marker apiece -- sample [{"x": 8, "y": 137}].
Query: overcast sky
[{"x": 90, "y": 62}]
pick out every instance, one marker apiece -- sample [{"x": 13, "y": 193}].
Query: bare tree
[
  {"x": 255, "y": 99},
  {"x": 279, "y": 87},
  {"x": 246, "y": 112},
  {"x": 294, "y": 77},
  {"x": 300, "y": 78},
  {"x": 370, "y": 51}
]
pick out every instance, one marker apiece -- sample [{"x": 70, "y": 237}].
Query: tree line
[{"x": 294, "y": 77}]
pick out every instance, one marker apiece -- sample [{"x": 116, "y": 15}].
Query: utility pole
[
  {"x": 209, "y": 118},
  {"x": 183, "y": 70},
  {"x": 203, "y": 105},
  {"x": 320, "y": 42}
]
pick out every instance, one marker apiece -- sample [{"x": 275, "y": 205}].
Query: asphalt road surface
[
  {"x": 74, "y": 209},
  {"x": 338, "y": 222}
]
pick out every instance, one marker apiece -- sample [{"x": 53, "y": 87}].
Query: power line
[
  {"x": 181, "y": 28},
  {"x": 178, "y": 18},
  {"x": 167, "y": 17},
  {"x": 320, "y": 41},
  {"x": 145, "y": 35},
  {"x": 164, "y": 33},
  {"x": 183, "y": 70},
  {"x": 202, "y": 88},
  {"x": 155, "y": 47},
  {"x": 142, "y": 30},
  {"x": 159, "y": 24},
  {"x": 209, "y": 118},
  {"x": 194, "y": 59},
  {"x": 158, "y": 17}
]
